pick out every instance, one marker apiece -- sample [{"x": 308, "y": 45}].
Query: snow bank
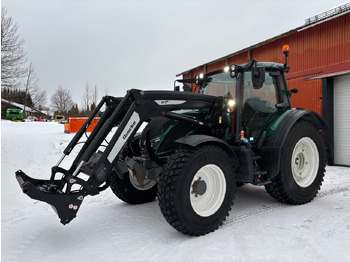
[{"x": 106, "y": 229}]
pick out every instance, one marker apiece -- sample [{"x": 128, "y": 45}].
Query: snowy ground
[{"x": 106, "y": 229}]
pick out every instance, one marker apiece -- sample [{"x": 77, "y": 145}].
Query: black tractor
[{"x": 195, "y": 149}]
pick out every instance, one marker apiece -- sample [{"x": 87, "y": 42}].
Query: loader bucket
[{"x": 65, "y": 205}]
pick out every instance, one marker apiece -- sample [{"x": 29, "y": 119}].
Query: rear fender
[{"x": 272, "y": 145}]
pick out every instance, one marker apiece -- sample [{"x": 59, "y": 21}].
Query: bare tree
[
  {"x": 32, "y": 89},
  {"x": 95, "y": 95},
  {"x": 61, "y": 100},
  {"x": 13, "y": 57},
  {"x": 31, "y": 82},
  {"x": 39, "y": 98},
  {"x": 86, "y": 99}
]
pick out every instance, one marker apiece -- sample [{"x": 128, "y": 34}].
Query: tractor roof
[{"x": 268, "y": 65}]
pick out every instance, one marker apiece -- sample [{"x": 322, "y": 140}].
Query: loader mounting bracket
[{"x": 65, "y": 205}]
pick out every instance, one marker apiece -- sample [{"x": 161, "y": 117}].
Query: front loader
[{"x": 195, "y": 149}]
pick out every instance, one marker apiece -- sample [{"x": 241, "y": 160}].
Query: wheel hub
[
  {"x": 140, "y": 184},
  {"x": 199, "y": 187},
  {"x": 300, "y": 163}
]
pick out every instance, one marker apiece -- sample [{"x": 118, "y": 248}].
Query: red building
[{"x": 320, "y": 68}]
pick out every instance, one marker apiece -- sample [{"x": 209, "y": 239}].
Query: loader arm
[{"x": 67, "y": 193}]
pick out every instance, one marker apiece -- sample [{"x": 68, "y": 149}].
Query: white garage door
[{"x": 342, "y": 120}]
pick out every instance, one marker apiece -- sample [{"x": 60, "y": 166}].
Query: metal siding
[
  {"x": 216, "y": 66},
  {"x": 320, "y": 46},
  {"x": 341, "y": 120},
  {"x": 312, "y": 48},
  {"x": 271, "y": 52},
  {"x": 239, "y": 59},
  {"x": 309, "y": 95},
  {"x": 186, "y": 76}
]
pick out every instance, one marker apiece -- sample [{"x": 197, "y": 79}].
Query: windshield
[
  {"x": 257, "y": 105},
  {"x": 219, "y": 85}
]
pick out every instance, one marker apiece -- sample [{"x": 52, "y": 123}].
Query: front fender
[{"x": 196, "y": 140}]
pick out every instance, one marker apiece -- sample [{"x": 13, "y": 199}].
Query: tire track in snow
[
  {"x": 252, "y": 213},
  {"x": 231, "y": 219},
  {"x": 333, "y": 191},
  {"x": 25, "y": 244}
]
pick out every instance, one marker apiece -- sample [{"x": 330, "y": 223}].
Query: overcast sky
[{"x": 117, "y": 45}]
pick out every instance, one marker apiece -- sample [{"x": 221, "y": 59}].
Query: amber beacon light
[{"x": 285, "y": 49}]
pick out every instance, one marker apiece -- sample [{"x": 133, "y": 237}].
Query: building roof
[
  {"x": 310, "y": 22},
  {"x": 26, "y": 108}
]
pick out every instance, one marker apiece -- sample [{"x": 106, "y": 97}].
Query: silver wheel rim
[
  {"x": 147, "y": 183},
  {"x": 305, "y": 161},
  {"x": 206, "y": 202}
]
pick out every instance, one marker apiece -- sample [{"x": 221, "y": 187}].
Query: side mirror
[
  {"x": 293, "y": 91},
  {"x": 258, "y": 77}
]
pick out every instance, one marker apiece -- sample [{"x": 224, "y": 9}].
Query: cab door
[{"x": 259, "y": 105}]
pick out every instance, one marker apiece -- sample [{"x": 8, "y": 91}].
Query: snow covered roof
[
  {"x": 26, "y": 108},
  {"x": 23, "y": 107}
]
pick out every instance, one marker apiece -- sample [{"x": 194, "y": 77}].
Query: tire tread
[{"x": 167, "y": 194}]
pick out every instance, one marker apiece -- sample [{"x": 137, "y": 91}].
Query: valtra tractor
[{"x": 195, "y": 149}]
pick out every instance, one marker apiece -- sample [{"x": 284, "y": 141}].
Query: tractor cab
[{"x": 254, "y": 94}]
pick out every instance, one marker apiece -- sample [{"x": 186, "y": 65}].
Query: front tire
[
  {"x": 196, "y": 189},
  {"x": 303, "y": 162}
]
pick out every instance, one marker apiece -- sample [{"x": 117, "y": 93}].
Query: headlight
[
  {"x": 198, "y": 77},
  {"x": 231, "y": 103}
]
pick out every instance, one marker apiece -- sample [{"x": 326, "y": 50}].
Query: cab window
[{"x": 219, "y": 85}]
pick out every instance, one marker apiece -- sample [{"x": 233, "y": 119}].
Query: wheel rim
[
  {"x": 305, "y": 160},
  {"x": 147, "y": 183},
  {"x": 207, "y": 191}
]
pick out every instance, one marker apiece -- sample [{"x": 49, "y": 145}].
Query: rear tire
[
  {"x": 128, "y": 189},
  {"x": 196, "y": 189},
  {"x": 303, "y": 162}
]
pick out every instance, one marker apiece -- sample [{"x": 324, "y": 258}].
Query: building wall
[{"x": 314, "y": 50}]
